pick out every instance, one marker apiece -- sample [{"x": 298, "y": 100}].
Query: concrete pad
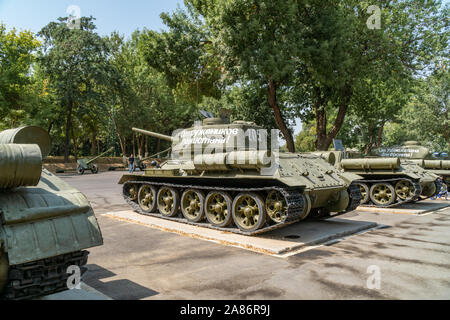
[
  {"x": 282, "y": 242},
  {"x": 418, "y": 208},
  {"x": 85, "y": 293}
]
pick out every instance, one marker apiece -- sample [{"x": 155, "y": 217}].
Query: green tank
[
  {"x": 387, "y": 182},
  {"x": 434, "y": 162},
  {"x": 218, "y": 177},
  {"x": 45, "y": 224}
]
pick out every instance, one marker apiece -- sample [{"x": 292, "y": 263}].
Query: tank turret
[{"x": 433, "y": 162}]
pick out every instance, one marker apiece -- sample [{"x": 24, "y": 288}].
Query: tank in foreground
[
  {"x": 45, "y": 225},
  {"x": 240, "y": 189},
  {"x": 387, "y": 182}
]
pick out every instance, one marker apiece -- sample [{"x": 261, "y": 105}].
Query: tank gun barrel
[{"x": 154, "y": 134}]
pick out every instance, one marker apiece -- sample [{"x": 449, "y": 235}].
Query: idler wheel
[
  {"x": 193, "y": 205},
  {"x": 218, "y": 209},
  {"x": 382, "y": 194},
  {"x": 429, "y": 190},
  {"x": 147, "y": 198},
  {"x": 168, "y": 201},
  {"x": 404, "y": 189},
  {"x": 249, "y": 211},
  {"x": 276, "y": 206},
  {"x": 364, "y": 188}
]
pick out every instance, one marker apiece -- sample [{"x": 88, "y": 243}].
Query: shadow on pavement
[{"x": 122, "y": 289}]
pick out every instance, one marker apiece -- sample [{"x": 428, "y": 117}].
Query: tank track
[
  {"x": 294, "y": 200},
  {"x": 414, "y": 198},
  {"x": 355, "y": 197},
  {"x": 42, "y": 277}
]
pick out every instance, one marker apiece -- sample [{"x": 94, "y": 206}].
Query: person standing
[{"x": 131, "y": 163}]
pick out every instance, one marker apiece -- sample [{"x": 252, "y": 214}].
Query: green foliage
[
  {"x": 184, "y": 55},
  {"x": 16, "y": 86},
  {"x": 76, "y": 65},
  {"x": 425, "y": 117},
  {"x": 144, "y": 99},
  {"x": 305, "y": 140}
]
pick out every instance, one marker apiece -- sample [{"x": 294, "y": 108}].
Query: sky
[{"x": 111, "y": 15}]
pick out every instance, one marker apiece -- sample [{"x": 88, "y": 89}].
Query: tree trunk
[
  {"x": 325, "y": 139},
  {"x": 68, "y": 130},
  {"x": 122, "y": 142},
  {"x": 279, "y": 118},
  {"x": 146, "y": 146},
  {"x": 93, "y": 143},
  {"x": 380, "y": 135},
  {"x": 75, "y": 145}
]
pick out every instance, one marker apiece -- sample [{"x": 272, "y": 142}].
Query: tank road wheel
[
  {"x": 132, "y": 191},
  {"x": 276, "y": 206},
  {"x": 4, "y": 266},
  {"x": 168, "y": 201},
  {"x": 382, "y": 194},
  {"x": 218, "y": 209},
  {"x": 364, "y": 188},
  {"x": 193, "y": 205},
  {"x": 249, "y": 211},
  {"x": 147, "y": 198},
  {"x": 404, "y": 189}
]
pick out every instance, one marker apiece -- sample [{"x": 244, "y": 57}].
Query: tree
[
  {"x": 185, "y": 56},
  {"x": 425, "y": 117},
  {"x": 143, "y": 97},
  {"x": 16, "y": 58},
  {"x": 75, "y": 62},
  {"x": 343, "y": 54},
  {"x": 257, "y": 41}
]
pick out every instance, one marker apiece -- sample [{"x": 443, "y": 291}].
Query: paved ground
[{"x": 412, "y": 255}]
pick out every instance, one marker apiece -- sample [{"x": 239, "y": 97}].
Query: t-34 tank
[
  {"x": 45, "y": 224},
  {"x": 435, "y": 162},
  {"x": 218, "y": 177},
  {"x": 387, "y": 182}
]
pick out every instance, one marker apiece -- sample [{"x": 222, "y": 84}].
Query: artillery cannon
[
  {"x": 86, "y": 164},
  {"x": 45, "y": 224},
  {"x": 237, "y": 188}
]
